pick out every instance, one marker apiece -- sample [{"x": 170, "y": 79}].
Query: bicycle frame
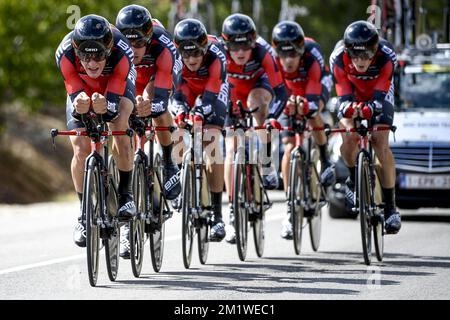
[
  {"x": 299, "y": 127},
  {"x": 99, "y": 139},
  {"x": 245, "y": 124},
  {"x": 144, "y": 134},
  {"x": 195, "y": 152}
]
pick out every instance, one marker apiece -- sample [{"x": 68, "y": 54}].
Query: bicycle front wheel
[
  {"x": 296, "y": 198},
  {"x": 315, "y": 187},
  {"x": 378, "y": 225},
  {"x": 92, "y": 204},
  {"x": 137, "y": 233},
  {"x": 259, "y": 213},
  {"x": 187, "y": 203},
  {"x": 363, "y": 203},
  {"x": 203, "y": 240},
  {"x": 157, "y": 234},
  {"x": 240, "y": 191},
  {"x": 112, "y": 243}
]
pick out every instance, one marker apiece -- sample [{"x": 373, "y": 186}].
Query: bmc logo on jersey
[
  {"x": 224, "y": 93},
  {"x": 126, "y": 48}
]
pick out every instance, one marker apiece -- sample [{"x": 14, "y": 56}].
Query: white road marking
[{"x": 269, "y": 217}]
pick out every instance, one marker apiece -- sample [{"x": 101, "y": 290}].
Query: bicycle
[
  {"x": 368, "y": 196},
  {"x": 249, "y": 198},
  {"x": 195, "y": 201},
  {"x": 306, "y": 195},
  {"x": 100, "y": 196},
  {"x": 151, "y": 204}
]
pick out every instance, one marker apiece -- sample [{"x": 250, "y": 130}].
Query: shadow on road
[
  {"x": 305, "y": 274},
  {"x": 424, "y": 217}
]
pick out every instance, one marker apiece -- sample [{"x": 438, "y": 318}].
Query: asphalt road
[{"x": 38, "y": 260}]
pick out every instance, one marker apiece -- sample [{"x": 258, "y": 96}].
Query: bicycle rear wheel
[
  {"x": 363, "y": 203},
  {"x": 258, "y": 222},
  {"x": 187, "y": 226},
  {"x": 157, "y": 235},
  {"x": 315, "y": 187},
  {"x": 296, "y": 198},
  {"x": 92, "y": 204},
  {"x": 112, "y": 243},
  {"x": 137, "y": 234},
  {"x": 239, "y": 205}
]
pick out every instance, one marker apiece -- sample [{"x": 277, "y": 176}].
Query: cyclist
[
  {"x": 95, "y": 61},
  {"x": 362, "y": 65},
  {"x": 203, "y": 86},
  {"x": 308, "y": 81},
  {"x": 256, "y": 81},
  {"x": 156, "y": 61}
]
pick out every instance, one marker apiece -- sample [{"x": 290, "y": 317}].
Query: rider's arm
[
  {"x": 163, "y": 83},
  {"x": 344, "y": 91},
  {"x": 117, "y": 84},
  {"x": 216, "y": 89},
  {"x": 277, "y": 83},
  {"x": 382, "y": 87},
  {"x": 72, "y": 81},
  {"x": 313, "y": 89}
]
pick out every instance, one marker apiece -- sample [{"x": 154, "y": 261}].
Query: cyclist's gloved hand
[
  {"x": 197, "y": 116},
  {"x": 180, "y": 120},
  {"x": 99, "y": 104},
  {"x": 272, "y": 123},
  {"x": 143, "y": 107},
  {"x": 181, "y": 112},
  {"x": 375, "y": 106},
  {"x": 289, "y": 109},
  {"x": 207, "y": 111},
  {"x": 366, "y": 112},
  {"x": 82, "y": 103},
  {"x": 235, "y": 110},
  {"x": 349, "y": 109}
]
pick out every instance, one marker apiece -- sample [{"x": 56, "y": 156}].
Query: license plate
[{"x": 424, "y": 181}]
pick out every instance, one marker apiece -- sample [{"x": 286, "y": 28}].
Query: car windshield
[{"x": 425, "y": 90}]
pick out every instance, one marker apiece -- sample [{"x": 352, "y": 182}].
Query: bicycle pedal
[{"x": 167, "y": 215}]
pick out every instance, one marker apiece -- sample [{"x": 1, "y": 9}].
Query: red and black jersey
[
  {"x": 111, "y": 83},
  {"x": 373, "y": 85},
  {"x": 262, "y": 61},
  {"x": 209, "y": 82},
  {"x": 306, "y": 81},
  {"x": 161, "y": 64}
]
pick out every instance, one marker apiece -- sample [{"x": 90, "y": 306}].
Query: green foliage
[{"x": 31, "y": 30}]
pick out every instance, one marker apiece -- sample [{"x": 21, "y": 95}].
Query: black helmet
[
  {"x": 135, "y": 23},
  {"x": 238, "y": 30},
  {"x": 190, "y": 37},
  {"x": 92, "y": 37},
  {"x": 288, "y": 36},
  {"x": 361, "y": 39}
]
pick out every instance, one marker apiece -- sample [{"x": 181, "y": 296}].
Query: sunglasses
[
  {"x": 234, "y": 46},
  {"x": 288, "y": 54},
  {"x": 139, "y": 43},
  {"x": 196, "y": 53},
  {"x": 87, "y": 57},
  {"x": 364, "y": 55}
]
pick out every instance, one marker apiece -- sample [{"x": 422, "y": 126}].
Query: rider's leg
[
  {"x": 349, "y": 150},
  {"x": 123, "y": 155},
  {"x": 170, "y": 169},
  {"x": 215, "y": 175},
  {"x": 327, "y": 171},
  {"x": 260, "y": 98},
  {"x": 81, "y": 150}
]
